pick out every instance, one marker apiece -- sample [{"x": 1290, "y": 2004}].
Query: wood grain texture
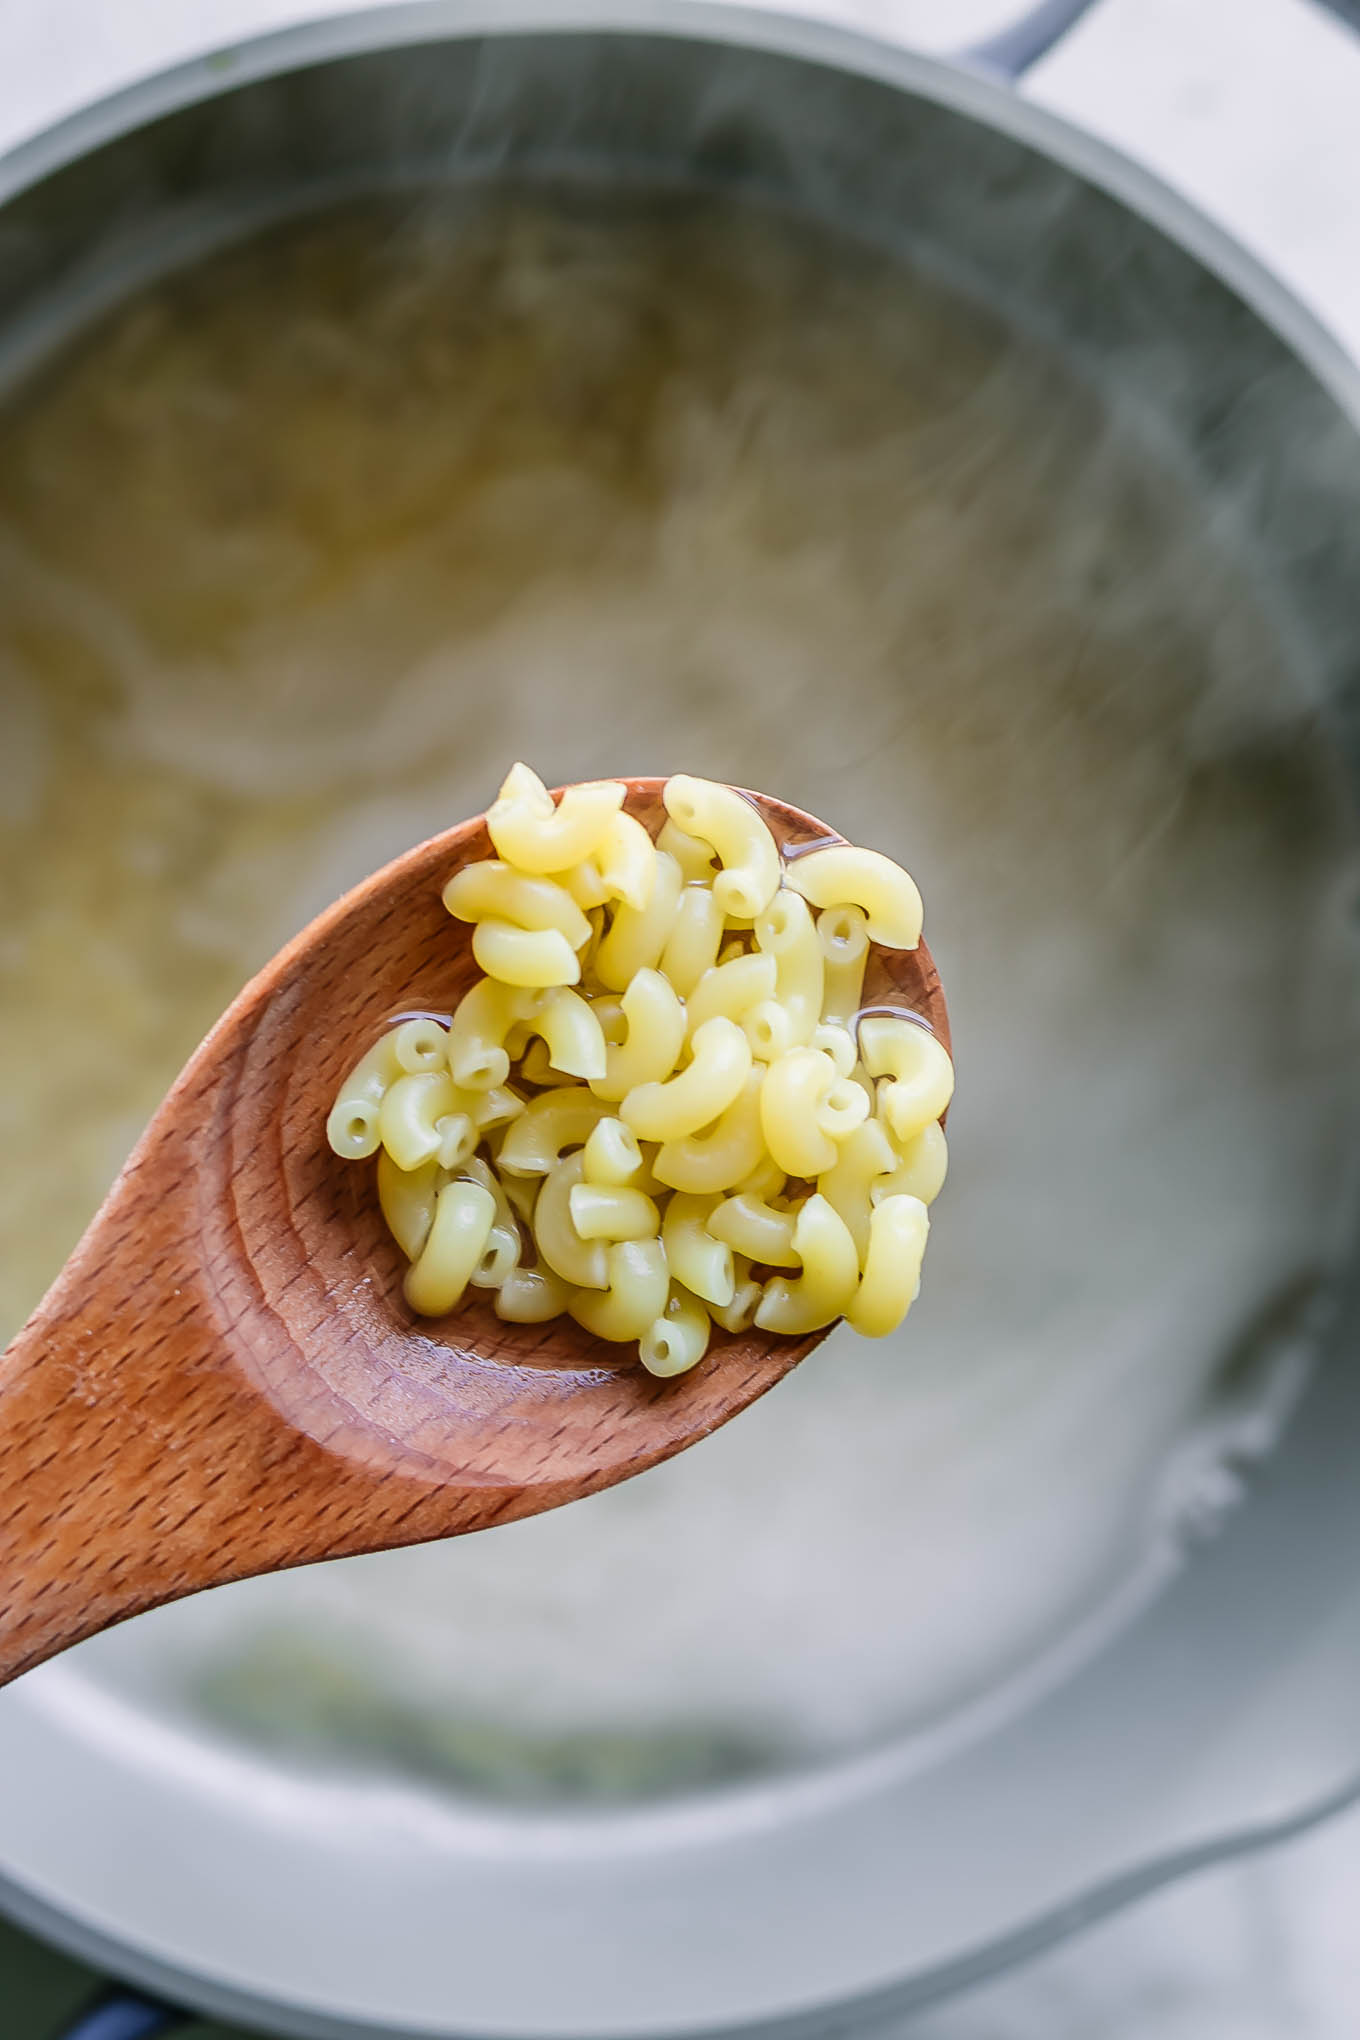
[{"x": 225, "y": 1378}]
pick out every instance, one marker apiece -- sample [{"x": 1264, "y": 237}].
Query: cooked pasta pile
[{"x": 661, "y": 1107}]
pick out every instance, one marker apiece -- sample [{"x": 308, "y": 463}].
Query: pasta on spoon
[{"x": 664, "y": 1105}]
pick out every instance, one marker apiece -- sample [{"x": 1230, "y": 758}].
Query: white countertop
[{"x": 1251, "y": 107}]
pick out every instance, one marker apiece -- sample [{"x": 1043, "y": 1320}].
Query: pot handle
[
  {"x": 118, "y": 2015},
  {"x": 1012, "y": 51}
]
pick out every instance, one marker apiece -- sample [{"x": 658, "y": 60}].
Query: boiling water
[{"x": 302, "y": 547}]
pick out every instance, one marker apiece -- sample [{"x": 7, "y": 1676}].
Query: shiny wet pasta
[{"x": 660, "y": 1107}]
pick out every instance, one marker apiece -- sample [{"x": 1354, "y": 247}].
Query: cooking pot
[{"x": 1225, "y": 1714}]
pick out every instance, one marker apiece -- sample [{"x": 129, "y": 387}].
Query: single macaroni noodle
[
  {"x": 737, "y": 833},
  {"x": 662, "y": 1110},
  {"x": 459, "y": 1230},
  {"x": 795, "y": 1089},
  {"x": 720, "y": 1062},
  {"x": 653, "y": 1017},
  {"x": 891, "y": 1280},
  {"x": 612, "y": 1155},
  {"x": 535, "y": 836},
  {"x": 843, "y": 876},
  {"x": 634, "y": 1295},
  {"x": 725, "y": 1153},
  {"x": 695, "y": 935},
  {"x": 696, "y": 859},
  {"x": 612, "y": 1212},
  {"x": 829, "y": 1278},
  {"x": 866, "y": 1158},
  {"x": 786, "y": 931},
  {"x": 696, "y": 1258},
  {"x": 919, "y": 1072},
  {"x": 676, "y": 1341}
]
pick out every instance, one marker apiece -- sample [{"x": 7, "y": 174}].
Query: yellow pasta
[
  {"x": 602, "y": 1211},
  {"x": 598, "y": 919},
  {"x": 767, "y": 1179},
  {"x": 538, "y": 837},
  {"x": 724, "y": 1153},
  {"x": 699, "y": 1094},
  {"x": 678, "y": 1340},
  {"x": 533, "y": 957},
  {"x": 420, "y": 1043},
  {"x": 626, "y": 861},
  {"x": 737, "y": 832},
  {"x": 786, "y": 931},
  {"x": 794, "y": 1089},
  {"x": 494, "y": 891},
  {"x": 352, "y": 1126},
  {"x": 702, "y": 1263},
  {"x": 608, "y": 1010},
  {"x": 920, "y": 1073},
  {"x": 843, "y": 937},
  {"x": 521, "y": 1194},
  {"x": 621, "y": 1116},
  {"x": 582, "y": 1263},
  {"x": 478, "y": 1057},
  {"x": 695, "y": 935},
  {"x": 463, "y": 1216},
  {"x": 501, "y": 1255},
  {"x": 864, "y": 1160},
  {"x": 518, "y": 1035},
  {"x": 547, "y": 1127},
  {"x": 759, "y": 1230},
  {"x": 458, "y": 1136},
  {"x": 842, "y": 1108},
  {"x": 637, "y": 936},
  {"x": 770, "y": 1029},
  {"x": 696, "y": 859},
  {"x": 843, "y": 876},
  {"x": 531, "y": 1296},
  {"x": 634, "y": 1292},
  {"x": 654, "y": 1020},
  {"x": 892, "y": 1268},
  {"x": 740, "y": 1314},
  {"x": 409, "y": 1115},
  {"x": 496, "y": 1107},
  {"x": 572, "y": 1032},
  {"x": 730, "y": 989},
  {"x": 829, "y": 1278},
  {"x": 612, "y": 1155},
  {"x": 585, "y": 882},
  {"x": 500, "y": 1258},
  {"x": 407, "y": 1197},
  {"x": 839, "y": 1043},
  {"x": 536, "y": 1066},
  {"x": 921, "y": 1165}
]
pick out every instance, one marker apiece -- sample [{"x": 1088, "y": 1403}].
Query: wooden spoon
[{"x": 225, "y": 1379}]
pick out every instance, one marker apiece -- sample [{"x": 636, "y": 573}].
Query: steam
[{"x": 315, "y": 538}]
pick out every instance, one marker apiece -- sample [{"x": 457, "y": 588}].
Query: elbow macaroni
[
  {"x": 829, "y": 1279},
  {"x": 735, "y": 830},
  {"x": 720, "y": 1062},
  {"x": 702, "y": 1263},
  {"x": 920, "y": 1076},
  {"x": 844, "y": 876},
  {"x": 785, "y": 931},
  {"x": 661, "y": 1109}
]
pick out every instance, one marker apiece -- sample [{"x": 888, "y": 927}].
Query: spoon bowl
[{"x": 225, "y": 1379}]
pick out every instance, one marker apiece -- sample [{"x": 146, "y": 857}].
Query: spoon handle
[
  {"x": 143, "y": 1458},
  {"x": 134, "y": 1463}
]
